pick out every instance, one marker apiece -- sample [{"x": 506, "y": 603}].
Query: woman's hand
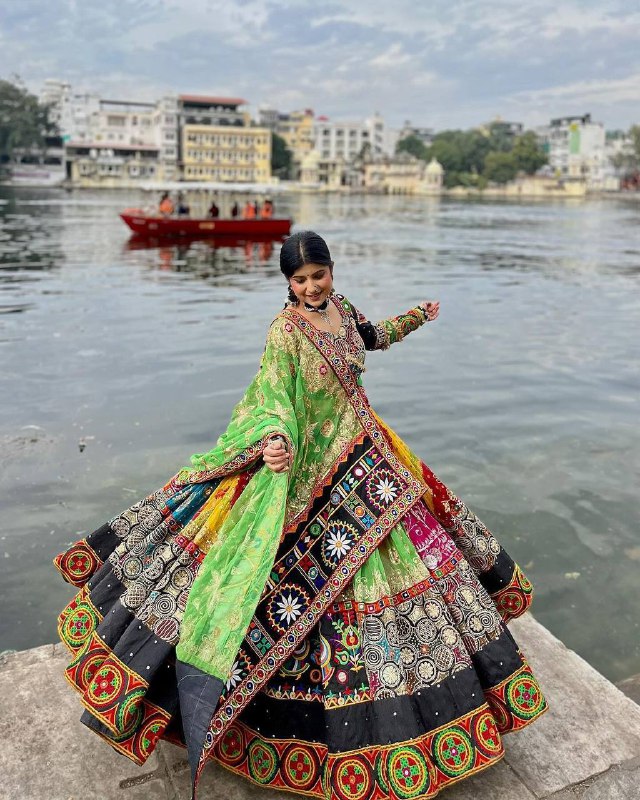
[
  {"x": 275, "y": 455},
  {"x": 431, "y": 309}
]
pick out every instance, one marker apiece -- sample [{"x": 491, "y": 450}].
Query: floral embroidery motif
[
  {"x": 286, "y": 606},
  {"x": 382, "y": 489},
  {"x": 338, "y": 540}
]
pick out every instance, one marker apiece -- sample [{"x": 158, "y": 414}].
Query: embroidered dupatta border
[{"x": 411, "y": 494}]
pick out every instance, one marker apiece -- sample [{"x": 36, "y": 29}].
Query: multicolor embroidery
[
  {"x": 417, "y": 768},
  {"x": 78, "y": 563},
  {"x": 514, "y": 599}
]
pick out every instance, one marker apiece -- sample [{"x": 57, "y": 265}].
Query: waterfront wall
[{"x": 586, "y": 747}]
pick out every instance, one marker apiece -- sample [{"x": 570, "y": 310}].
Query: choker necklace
[
  {"x": 321, "y": 310},
  {"x": 322, "y": 307}
]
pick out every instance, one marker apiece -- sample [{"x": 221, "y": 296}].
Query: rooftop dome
[{"x": 434, "y": 167}]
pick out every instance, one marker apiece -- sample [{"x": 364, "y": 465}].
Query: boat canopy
[{"x": 214, "y": 186}]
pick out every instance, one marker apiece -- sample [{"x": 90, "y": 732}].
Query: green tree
[
  {"x": 412, "y": 145},
  {"x": 500, "y": 137},
  {"x": 500, "y": 167},
  {"x": 280, "y": 157},
  {"x": 474, "y": 147},
  {"x": 528, "y": 153},
  {"x": 24, "y": 122},
  {"x": 462, "y": 154},
  {"x": 447, "y": 152}
]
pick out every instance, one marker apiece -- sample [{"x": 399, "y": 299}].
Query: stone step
[{"x": 586, "y": 747}]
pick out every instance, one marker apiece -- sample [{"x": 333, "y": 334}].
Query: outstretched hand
[{"x": 431, "y": 309}]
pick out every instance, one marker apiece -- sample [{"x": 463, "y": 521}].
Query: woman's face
[{"x": 312, "y": 283}]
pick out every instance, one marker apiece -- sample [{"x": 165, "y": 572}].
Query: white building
[
  {"x": 576, "y": 149},
  {"x": 114, "y": 142},
  {"x": 347, "y": 141},
  {"x": 73, "y": 112}
]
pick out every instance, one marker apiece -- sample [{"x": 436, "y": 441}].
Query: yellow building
[
  {"x": 296, "y": 128},
  {"x": 403, "y": 174},
  {"x": 217, "y": 144}
]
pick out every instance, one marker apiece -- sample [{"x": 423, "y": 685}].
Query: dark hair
[{"x": 305, "y": 247}]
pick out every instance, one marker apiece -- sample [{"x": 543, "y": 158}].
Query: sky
[{"x": 440, "y": 64}]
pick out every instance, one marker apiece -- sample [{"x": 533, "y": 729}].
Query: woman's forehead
[{"x": 308, "y": 269}]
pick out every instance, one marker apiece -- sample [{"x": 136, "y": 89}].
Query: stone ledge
[{"x": 587, "y": 746}]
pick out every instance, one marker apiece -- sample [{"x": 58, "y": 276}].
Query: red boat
[{"x": 144, "y": 224}]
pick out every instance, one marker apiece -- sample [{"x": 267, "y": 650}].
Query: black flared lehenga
[{"x": 337, "y": 631}]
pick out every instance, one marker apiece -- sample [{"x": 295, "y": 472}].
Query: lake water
[{"x": 524, "y": 396}]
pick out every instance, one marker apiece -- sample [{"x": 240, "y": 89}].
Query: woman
[{"x": 306, "y": 603}]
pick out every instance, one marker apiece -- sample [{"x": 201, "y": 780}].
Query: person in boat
[
  {"x": 166, "y": 206},
  {"x": 235, "y": 210},
  {"x": 267, "y": 209},
  {"x": 305, "y": 603},
  {"x": 256, "y": 209},
  {"x": 249, "y": 210},
  {"x": 214, "y": 211},
  {"x": 183, "y": 207}
]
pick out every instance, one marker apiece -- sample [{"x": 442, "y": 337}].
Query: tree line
[{"x": 475, "y": 157}]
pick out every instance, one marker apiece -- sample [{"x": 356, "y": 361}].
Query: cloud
[
  {"x": 391, "y": 58},
  {"x": 446, "y": 63},
  {"x": 585, "y": 93}
]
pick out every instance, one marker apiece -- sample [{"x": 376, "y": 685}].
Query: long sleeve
[{"x": 381, "y": 335}]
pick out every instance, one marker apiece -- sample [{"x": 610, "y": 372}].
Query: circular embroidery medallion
[
  {"x": 263, "y": 761},
  {"x": 79, "y": 563},
  {"x": 300, "y": 767},
  {"x": 351, "y": 778},
  {"x": 525, "y": 697},
  {"x": 232, "y": 746},
  {"x": 511, "y": 603},
  {"x": 486, "y": 734},
  {"x": 106, "y": 685},
  {"x": 408, "y": 772},
  {"x": 88, "y": 667},
  {"x": 78, "y": 625},
  {"x": 453, "y": 751}
]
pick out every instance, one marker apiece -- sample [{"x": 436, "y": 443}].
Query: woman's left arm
[{"x": 381, "y": 335}]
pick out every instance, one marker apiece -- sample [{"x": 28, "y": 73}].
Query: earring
[{"x": 291, "y": 297}]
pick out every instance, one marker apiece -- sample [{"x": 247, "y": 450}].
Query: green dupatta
[{"x": 232, "y": 576}]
